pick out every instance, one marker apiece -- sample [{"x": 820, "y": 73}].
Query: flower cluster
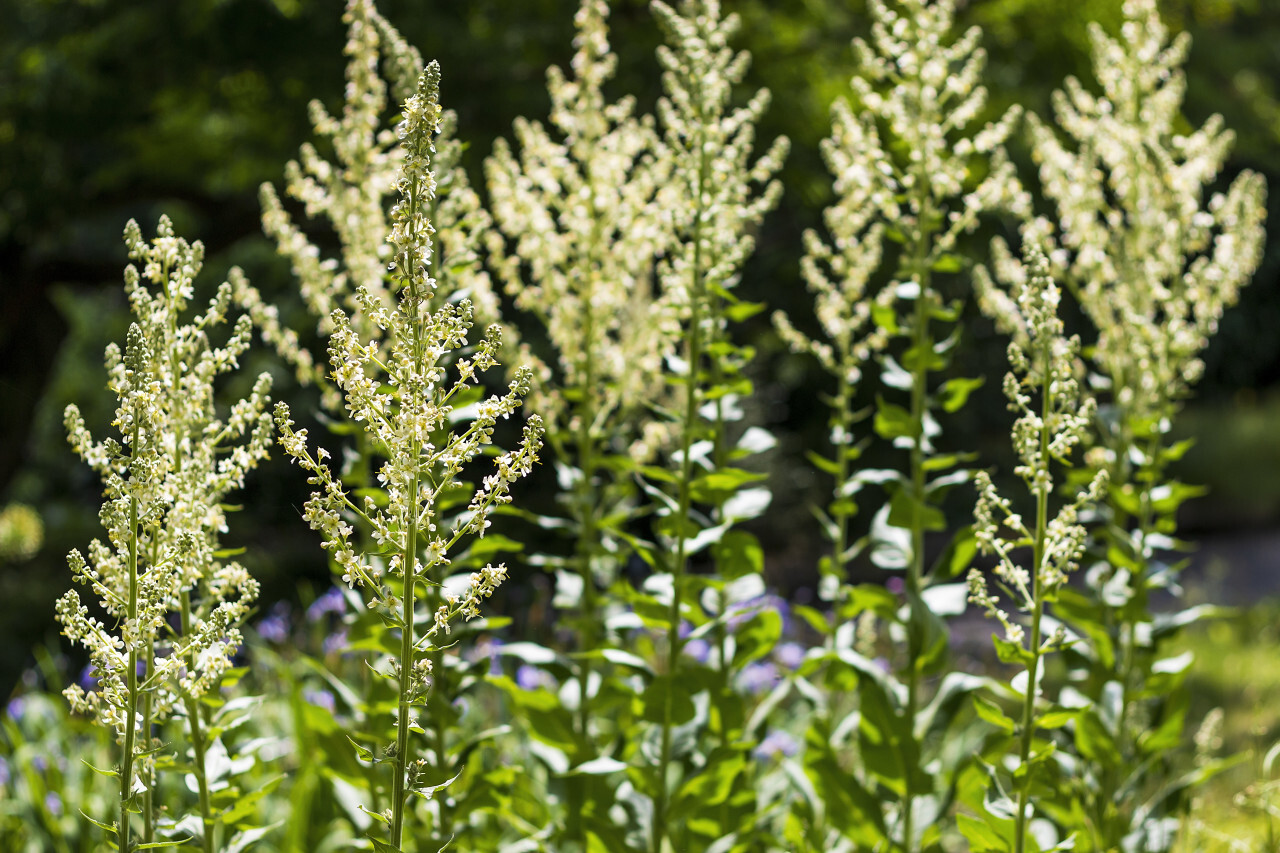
[
  {"x": 395, "y": 385},
  {"x": 1047, "y": 429},
  {"x": 352, "y": 194},
  {"x": 1154, "y": 267},
  {"x": 579, "y": 213},
  {"x": 717, "y": 195},
  {"x": 920, "y": 89},
  {"x": 166, "y": 481}
]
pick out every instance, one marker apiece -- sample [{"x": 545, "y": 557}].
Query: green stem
[
  {"x": 131, "y": 711},
  {"x": 148, "y": 796},
  {"x": 915, "y": 570},
  {"x": 587, "y": 532},
  {"x": 408, "y": 565},
  {"x": 198, "y": 744},
  {"x": 693, "y": 356},
  {"x": 840, "y": 516},
  {"x": 1037, "y": 612}
]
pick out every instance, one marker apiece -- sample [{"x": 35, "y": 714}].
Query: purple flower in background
[
  {"x": 4, "y": 772},
  {"x": 53, "y": 803},
  {"x": 789, "y": 655},
  {"x": 758, "y": 677},
  {"x": 495, "y": 660},
  {"x": 769, "y": 601},
  {"x": 331, "y": 602},
  {"x": 17, "y": 705},
  {"x": 895, "y": 585},
  {"x": 698, "y": 649},
  {"x": 531, "y": 678},
  {"x": 275, "y": 627},
  {"x": 335, "y": 642},
  {"x": 776, "y": 743},
  {"x": 88, "y": 677},
  {"x": 39, "y": 763},
  {"x": 320, "y": 698}
]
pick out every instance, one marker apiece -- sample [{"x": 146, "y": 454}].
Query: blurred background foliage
[{"x": 111, "y": 109}]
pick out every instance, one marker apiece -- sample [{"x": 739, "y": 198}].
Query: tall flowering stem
[
  {"x": 1044, "y": 364},
  {"x": 577, "y": 207},
  {"x": 166, "y": 479},
  {"x": 715, "y": 199},
  {"x": 1153, "y": 265},
  {"x": 912, "y": 170},
  {"x": 396, "y": 388}
]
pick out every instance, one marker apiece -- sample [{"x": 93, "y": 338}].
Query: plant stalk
[
  {"x": 693, "y": 353},
  {"x": 1037, "y": 613}
]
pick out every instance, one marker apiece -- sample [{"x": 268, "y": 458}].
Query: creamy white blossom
[
  {"x": 403, "y": 384},
  {"x": 1054, "y": 416},
  {"x": 353, "y": 193},
  {"x": 166, "y": 481},
  {"x": 576, "y": 206},
  {"x": 1153, "y": 263}
]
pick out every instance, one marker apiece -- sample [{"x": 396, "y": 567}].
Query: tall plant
[
  {"x": 577, "y": 209},
  {"x": 397, "y": 390},
  {"x": 715, "y": 199},
  {"x": 1153, "y": 265},
  {"x": 161, "y": 575},
  {"x": 1054, "y": 417},
  {"x": 912, "y": 170},
  {"x": 353, "y": 192}
]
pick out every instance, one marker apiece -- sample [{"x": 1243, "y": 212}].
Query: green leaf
[
  {"x": 241, "y": 840},
  {"x": 868, "y": 596},
  {"x": 822, "y": 463},
  {"x": 738, "y": 553},
  {"x": 985, "y": 834},
  {"x": 530, "y": 653},
  {"x": 948, "y": 263},
  {"x": 955, "y": 392},
  {"x": 156, "y": 845},
  {"x": 931, "y": 630},
  {"x": 1056, "y": 718},
  {"x": 1012, "y": 653},
  {"x": 894, "y": 375},
  {"x": 991, "y": 713},
  {"x": 664, "y": 688},
  {"x": 755, "y": 440},
  {"x": 850, "y": 807},
  {"x": 756, "y": 637},
  {"x": 598, "y": 767},
  {"x": 1166, "y": 499},
  {"x": 893, "y": 421},
  {"x": 958, "y": 555},
  {"x": 1094, "y": 741},
  {"x": 109, "y": 828},
  {"x": 904, "y": 509},
  {"x": 743, "y": 311},
  {"x": 713, "y": 784},
  {"x": 114, "y": 774},
  {"x": 719, "y": 485},
  {"x": 884, "y": 316}
]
